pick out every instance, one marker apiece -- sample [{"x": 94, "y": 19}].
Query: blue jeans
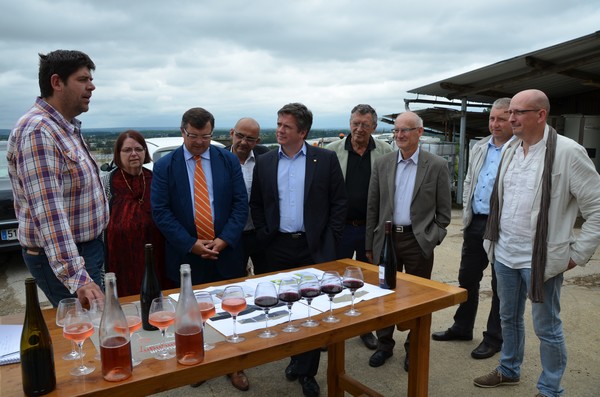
[
  {"x": 513, "y": 285},
  {"x": 39, "y": 267}
]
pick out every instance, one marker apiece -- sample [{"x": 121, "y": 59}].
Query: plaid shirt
[{"x": 59, "y": 200}]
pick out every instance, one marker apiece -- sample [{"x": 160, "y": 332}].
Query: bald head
[
  {"x": 528, "y": 113},
  {"x": 244, "y": 137}
]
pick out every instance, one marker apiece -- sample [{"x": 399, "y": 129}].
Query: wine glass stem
[
  {"x": 331, "y": 307},
  {"x": 289, "y": 313},
  {"x": 73, "y": 347},
  {"x": 80, "y": 346},
  {"x": 266, "y": 319},
  {"x": 353, "y": 300},
  {"x": 163, "y": 332},
  {"x": 309, "y": 317},
  {"x": 234, "y": 336}
]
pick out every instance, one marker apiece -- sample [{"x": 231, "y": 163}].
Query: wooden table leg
[
  {"x": 418, "y": 368},
  {"x": 336, "y": 356}
]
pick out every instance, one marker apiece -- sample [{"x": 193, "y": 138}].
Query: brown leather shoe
[{"x": 239, "y": 380}]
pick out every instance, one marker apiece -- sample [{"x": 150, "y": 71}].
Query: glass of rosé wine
[
  {"x": 134, "y": 322},
  {"x": 207, "y": 310},
  {"x": 162, "y": 316},
  {"x": 78, "y": 327},
  {"x": 233, "y": 302}
]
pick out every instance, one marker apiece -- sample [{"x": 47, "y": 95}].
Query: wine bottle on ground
[
  {"x": 114, "y": 336},
  {"x": 37, "y": 356},
  {"x": 387, "y": 260},
  {"x": 189, "y": 339},
  {"x": 150, "y": 287}
]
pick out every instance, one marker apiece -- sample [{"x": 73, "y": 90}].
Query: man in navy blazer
[
  {"x": 298, "y": 205},
  {"x": 173, "y": 204}
]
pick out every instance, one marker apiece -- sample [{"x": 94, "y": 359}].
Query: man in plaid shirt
[{"x": 59, "y": 200}]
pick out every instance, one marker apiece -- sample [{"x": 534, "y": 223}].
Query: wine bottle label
[{"x": 382, "y": 283}]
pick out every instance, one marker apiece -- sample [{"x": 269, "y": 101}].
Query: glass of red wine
[
  {"x": 331, "y": 284},
  {"x": 353, "y": 280},
  {"x": 289, "y": 293},
  {"x": 78, "y": 327},
  {"x": 309, "y": 289},
  {"x": 265, "y": 296},
  {"x": 233, "y": 302}
]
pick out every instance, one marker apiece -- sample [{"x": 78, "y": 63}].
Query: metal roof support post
[{"x": 461, "y": 151}]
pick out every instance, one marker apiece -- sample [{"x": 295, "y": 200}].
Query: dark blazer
[
  {"x": 172, "y": 209},
  {"x": 325, "y": 201},
  {"x": 430, "y": 208}
]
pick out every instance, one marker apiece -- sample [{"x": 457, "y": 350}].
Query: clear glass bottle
[
  {"x": 189, "y": 339},
  {"x": 150, "y": 288},
  {"x": 387, "y": 260},
  {"x": 115, "y": 344},
  {"x": 37, "y": 356}
]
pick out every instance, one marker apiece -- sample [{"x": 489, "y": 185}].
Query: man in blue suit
[
  {"x": 172, "y": 198},
  {"x": 298, "y": 204}
]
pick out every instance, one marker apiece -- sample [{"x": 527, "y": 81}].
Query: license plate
[{"x": 9, "y": 234}]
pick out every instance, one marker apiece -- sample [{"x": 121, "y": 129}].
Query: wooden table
[{"x": 410, "y": 307}]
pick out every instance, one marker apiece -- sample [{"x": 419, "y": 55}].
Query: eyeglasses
[
  {"x": 241, "y": 136},
  {"x": 129, "y": 150},
  {"x": 366, "y": 126},
  {"x": 206, "y": 137},
  {"x": 403, "y": 130},
  {"x": 520, "y": 112}
]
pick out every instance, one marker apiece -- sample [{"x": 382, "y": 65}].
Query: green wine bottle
[{"x": 37, "y": 356}]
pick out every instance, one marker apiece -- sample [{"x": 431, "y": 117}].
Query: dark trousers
[
  {"x": 411, "y": 260},
  {"x": 285, "y": 253},
  {"x": 473, "y": 262},
  {"x": 252, "y": 250},
  {"x": 353, "y": 240}
]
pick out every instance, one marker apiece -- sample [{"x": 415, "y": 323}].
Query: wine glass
[
  {"x": 78, "y": 327},
  {"x": 162, "y": 315},
  {"x": 309, "y": 289},
  {"x": 65, "y": 306},
  {"x": 289, "y": 293},
  {"x": 95, "y": 312},
  {"x": 134, "y": 322},
  {"x": 265, "y": 296},
  {"x": 331, "y": 284},
  {"x": 234, "y": 301},
  {"x": 207, "y": 310},
  {"x": 353, "y": 280}
]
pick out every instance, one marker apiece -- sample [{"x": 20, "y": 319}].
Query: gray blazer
[{"x": 431, "y": 205}]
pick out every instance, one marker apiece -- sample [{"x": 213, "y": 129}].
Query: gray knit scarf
[{"x": 540, "y": 249}]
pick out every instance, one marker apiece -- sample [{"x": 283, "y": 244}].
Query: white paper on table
[
  {"x": 344, "y": 298},
  {"x": 255, "y": 320}
]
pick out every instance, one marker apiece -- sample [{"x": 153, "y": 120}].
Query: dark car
[{"x": 8, "y": 221}]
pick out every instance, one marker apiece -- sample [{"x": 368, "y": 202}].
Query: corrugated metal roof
[{"x": 563, "y": 70}]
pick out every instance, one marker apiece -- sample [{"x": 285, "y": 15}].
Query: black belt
[
  {"x": 253, "y": 231},
  {"x": 294, "y": 236},
  {"x": 402, "y": 229},
  {"x": 356, "y": 222}
]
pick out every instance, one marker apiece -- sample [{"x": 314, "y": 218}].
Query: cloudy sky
[{"x": 155, "y": 59}]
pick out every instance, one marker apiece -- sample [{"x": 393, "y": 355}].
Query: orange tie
[{"x": 202, "y": 213}]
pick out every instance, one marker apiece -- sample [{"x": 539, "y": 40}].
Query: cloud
[{"x": 156, "y": 59}]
